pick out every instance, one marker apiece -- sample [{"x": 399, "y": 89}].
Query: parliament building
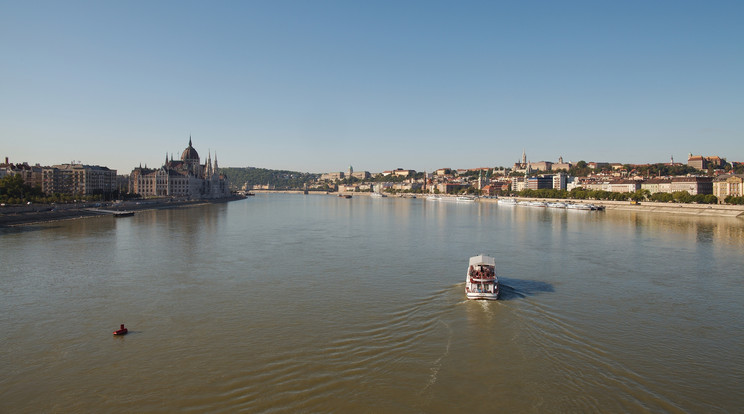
[{"x": 186, "y": 177}]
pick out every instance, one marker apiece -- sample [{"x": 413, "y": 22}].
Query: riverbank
[
  {"x": 710, "y": 210},
  {"x": 42, "y": 213},
  {"x": 717, "y": 210}
]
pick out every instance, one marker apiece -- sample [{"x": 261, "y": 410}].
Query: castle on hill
[{"x": 186, "y": 177}]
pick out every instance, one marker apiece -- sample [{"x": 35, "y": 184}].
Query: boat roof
[{"x": 482, "y": 260}]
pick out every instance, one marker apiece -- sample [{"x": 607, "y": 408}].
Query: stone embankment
[
  {"x": 717, "y": 210},
  {"x": 40, "y": 213}
]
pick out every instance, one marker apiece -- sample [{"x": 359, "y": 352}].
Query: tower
[
  {"x": 191, "y": 159},
  {"x": 524, "y": 157}
]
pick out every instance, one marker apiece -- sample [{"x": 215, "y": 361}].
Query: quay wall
[
  {"x": 41, "y": 213},
  {"x": 715, "y": 210},
  {"x": 719, "y": 210}
]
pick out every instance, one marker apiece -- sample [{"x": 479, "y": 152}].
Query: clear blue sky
[{"x": 319, "y": 85}]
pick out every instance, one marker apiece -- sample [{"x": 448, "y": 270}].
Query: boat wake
[{"x": 437, "y": 365}]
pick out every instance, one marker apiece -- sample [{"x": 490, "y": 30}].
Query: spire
[
  {"x": 216, "y": 171},
  {"x": 189, "y": 140},
  {"x": 166, "y": 158},
  {"x": 209, "y": 164},
  {"x": 524, "y": 156}
]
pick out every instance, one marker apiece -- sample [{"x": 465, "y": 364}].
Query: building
[
  {"x": 538, "y": 183},
  {"x": 333, "y": 176},
  {"x": 657, "y": 185},
  {"x": 560, "y": 165},
  {"x": 703, "y": 163},
  {"x": 407, "y": 186},
  {"x": 78, "y": 179},
  {"x": 186, "y": 177},
  {"x": 71, "y": 178},
  {"x": 696, "y": 161},
  {"x": 728, "y": 185},
  {"x": 31, "y": 174},
  {"x": 693, "y": 185},
  {"x": 624, "y": 186},
  {"x": 362, "y": 175},
  {"x": 598, "y": 165},
  {"x": 451, "y": 188},
  {"x": 399, "y": 172},
  {"x": 560, "y": 181},
  {"x": 541, "y": 166},
  {"x": 518, "y": 183}
]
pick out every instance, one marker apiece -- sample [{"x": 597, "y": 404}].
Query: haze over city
[{"x": 316, "y": 86}]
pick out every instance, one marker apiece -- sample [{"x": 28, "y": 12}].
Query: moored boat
[
  {"x": 573, "y": 206},
  {"x": 481, "y": 281},
  {"x": 465, "y": 199},
  {"x": 377, "y": 195}
]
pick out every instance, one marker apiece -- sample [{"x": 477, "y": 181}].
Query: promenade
[{"x": 41, "y": 213}]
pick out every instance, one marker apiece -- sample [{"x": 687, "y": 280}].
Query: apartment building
[{"x": 728, "y": 185}]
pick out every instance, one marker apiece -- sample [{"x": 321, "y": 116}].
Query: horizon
[{"x": 316, "y": 87}]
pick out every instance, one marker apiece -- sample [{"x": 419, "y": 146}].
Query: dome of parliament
[{"x": 189, "y": 153}]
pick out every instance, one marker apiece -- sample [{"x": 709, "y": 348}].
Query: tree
[{"x": 682, "y": 197}]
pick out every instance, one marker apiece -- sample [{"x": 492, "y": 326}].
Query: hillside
[{"x": 280, "y": 179}]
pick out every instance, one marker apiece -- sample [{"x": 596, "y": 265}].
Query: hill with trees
[{"x": 279, "y": 179}]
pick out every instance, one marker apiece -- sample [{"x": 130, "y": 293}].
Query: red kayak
[{"x": 121, "y": 331}]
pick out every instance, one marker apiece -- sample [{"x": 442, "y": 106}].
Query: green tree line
[{"x": 280, "y": 179}]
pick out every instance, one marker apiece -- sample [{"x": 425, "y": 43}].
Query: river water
[{"x": 291, "y": 303}]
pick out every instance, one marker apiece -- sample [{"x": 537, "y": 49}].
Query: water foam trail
[
  {"x": 437, "y": 365},
  {"x": 545, "y": 324},
  {"x": 366, "y": 354}
]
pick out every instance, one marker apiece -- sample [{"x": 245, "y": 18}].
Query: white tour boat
[
  {"x": 378, "y": 195},
  {"x": 481, "y": 281}
]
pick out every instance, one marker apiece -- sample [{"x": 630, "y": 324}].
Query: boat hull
[{"x": 482, "y": 296}]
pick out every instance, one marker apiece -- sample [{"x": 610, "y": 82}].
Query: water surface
[{"x": 286, "y": 303}]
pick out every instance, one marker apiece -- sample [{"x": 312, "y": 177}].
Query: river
[{"x": 292, "y": 303}]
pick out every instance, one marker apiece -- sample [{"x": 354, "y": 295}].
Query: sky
[{"x": 317, "y": 86}]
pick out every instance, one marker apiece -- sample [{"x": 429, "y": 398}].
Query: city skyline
[{"x": 421, "y": 85}]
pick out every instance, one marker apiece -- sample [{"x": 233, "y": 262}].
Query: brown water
[{"x": 290, "y": 303}]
